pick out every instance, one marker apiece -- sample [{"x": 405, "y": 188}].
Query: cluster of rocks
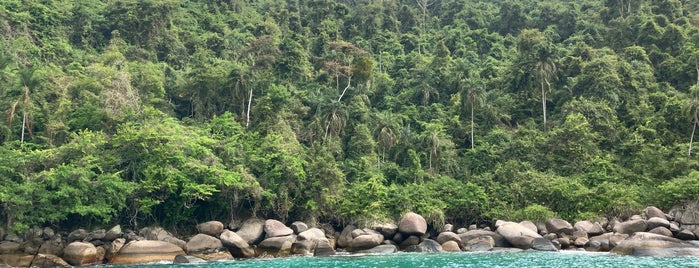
[{"x": 654, "y": 233}]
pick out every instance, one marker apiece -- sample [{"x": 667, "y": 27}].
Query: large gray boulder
[
  {"x": 687, "y": 215},
  {"x": 592, "y": 229},
  {"x": 112, "y": 248},
  {"x": 530, "y": 225},
  {"x": 543, "y": 244},
  {"x": 77, "y": 235},
  {"x": 380, "y": 249},
  {"x": 313, "y": 234},
  {"x": 52, "y": 247},
  {"x": 609, "y": 240},
  {"x": 81, "y": 253},
  {"x": 48, "y": 260},
  {"x": 252, "y": 230},
  {"x": 212, "y": 228},
  {"x": 483, "y": 243},
  {"x": 386, "y": 229},
  {"x": 323, "y": 249},
  {"x": 346, "y": 236},
  {"x": 238, "y": 247},
  {"x": 299, "y": 227},
  {"x": 113, "y": 233},
  {"x": 428, "y": 245},
  {"x": 308, "y": 241},
  {"x": 366, "y": 240},
  {"x": 413, "y": 224},
  {"x": 203, "y": 243},
  {"x": 448, "y": 236},
  {"x": 652, "y": 211},
  {"x": 661, "y": 231},
  {"x": 451, "y": 246},
  {"x": 654, "y": 222},
  {"x": 499, "y": 240},
  {"x": 16, "y": 260},
  {"x": 631, "y": 226},
  {"x": 518, "y": 235},
  {"x": 277, "y": 246},
  {"x": 559, "y": 226},
  {"x": 9, "y": 247},
  {"x": 275, "y": 228},
  {"x": 155, "y": 233},
  {"x": 146, "y": 251},
  {"x": 648, "y": 244}
]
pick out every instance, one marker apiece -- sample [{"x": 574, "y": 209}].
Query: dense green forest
[{"x": 172, "y": 112}]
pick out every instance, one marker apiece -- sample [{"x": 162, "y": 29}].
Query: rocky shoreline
[{"x": 654, "y": 233}]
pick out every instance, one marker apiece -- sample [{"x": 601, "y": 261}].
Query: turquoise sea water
[{"x": 525, "y": 259}]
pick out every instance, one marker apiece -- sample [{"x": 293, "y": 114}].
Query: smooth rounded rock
[
  {"x": 146, "y": 251},
  {"x": 652, "y": 211},
  {"x": 80, "y": 253},
  {"x": 298, "y": 227},
  {"x": 346, "y": 236},
  {"x": 500, "y": 241},
  {"x": 236, "y": 245},
  {"x": 654, "y": 222},
  {"x": 366, "y": 241},
  {"x": 448, "y": 236},
  {"x": 252, "y": 230},
  {"x": 661, "y": 231},
  {"x": 478, "y": 244},
  {"x": 412, "y": 224},
  {"x": 631, "y": 226},
  {"x": 380, "y": 249},
  {"x": 313, "y": 234},
  {"x": 275, "y": 228},
  {"x": 212, "y": 228},
  {"x": 184, "y": 259},
  {"x": 323, "y": 248},
  {"x": 559, "y": 226},
  {"x": 543, "y": 245},
  {"x": 530, "y": 225},
  {"x": 203, "y": 243},
  {"x": 451, "y": 246},
  {"x": 428, "y": 245},
  {"x": 518, "y": 235},
  {"x": 386, "y": 229},
  {"x": 654, "y": 245},
  {"x": 592, "y": 229}
]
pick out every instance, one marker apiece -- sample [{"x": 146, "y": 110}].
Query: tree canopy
[{"x": 175, "y": 112}]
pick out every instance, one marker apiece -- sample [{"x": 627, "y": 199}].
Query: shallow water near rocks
[{"x": 490, "y": 259}]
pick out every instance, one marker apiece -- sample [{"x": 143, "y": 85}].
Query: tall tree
[{"x": 539, "y": 54}]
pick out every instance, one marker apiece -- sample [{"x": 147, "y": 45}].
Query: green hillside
[{"x": 169, "y": 112}]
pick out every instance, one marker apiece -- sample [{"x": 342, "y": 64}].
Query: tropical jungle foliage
[{"x": 173, "y": 112}]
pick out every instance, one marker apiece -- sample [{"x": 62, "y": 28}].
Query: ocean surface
[{"x": 566, "y": 259}]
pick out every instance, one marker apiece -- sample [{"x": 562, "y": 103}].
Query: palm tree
[
  {"x": 547, "y": 68},
  {"x": 387, "y": 130},
  {"x": 537, "y": 54},
  {"x": 29, "y": 81},
  {"x": 695, "y": 116}
]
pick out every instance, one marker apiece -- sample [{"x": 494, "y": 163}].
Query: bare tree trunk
[
  {"x": 24, "y": 123},
  {"x": 543, "y": 98},
  {"x": 691, "y": 139},
  {"x": 247, "y": 122},
  {"x": 473, "y": 142},
  {"x": 349, "y": 79}
]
